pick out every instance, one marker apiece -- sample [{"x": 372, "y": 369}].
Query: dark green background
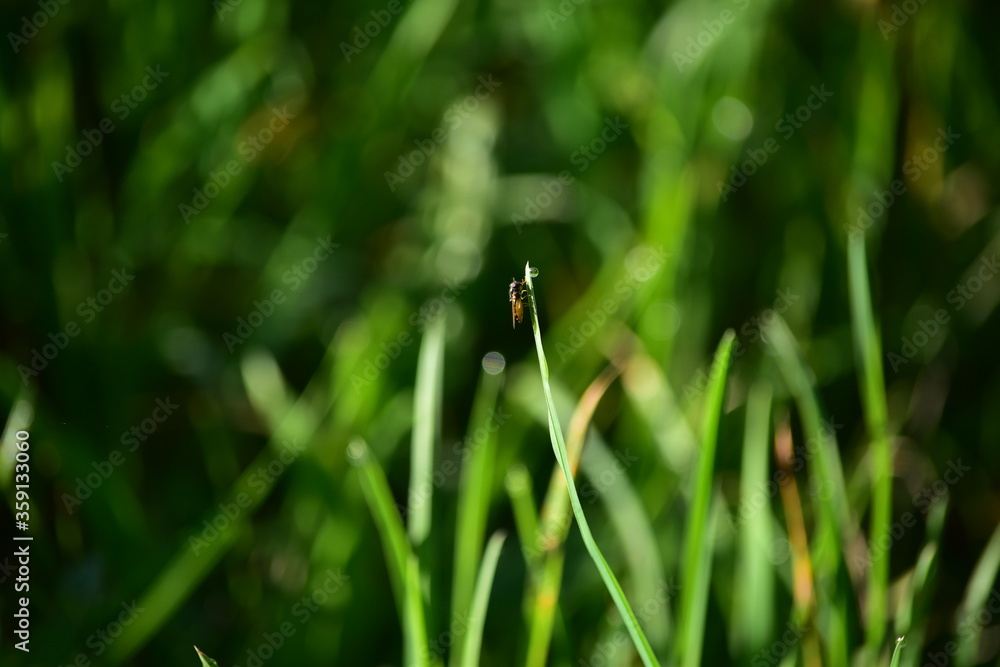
[{"x": 655, "y": 187}]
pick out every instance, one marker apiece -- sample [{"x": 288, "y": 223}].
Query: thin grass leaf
[
  {"x": 753, "y": 608},
  {"x": 697, "y": 562},
  {"x": 426, "y": 427},
  {"x": 21, "y": 416},
  {"x": 900, "y": 643},
  {"x": 556, "y": 519},
  {"x": 481, "y": 600},
  {"x": 868, "y": 350},
  {"x": 518, "y": 484},
  {"x": 205, "y": 660},
  {"x": 416, "y": 649},
  {"x": 559, "y": 448},
  {"x": 914, "y": 604},
  {"x": 475, "y": 488},
  {"x": 388, "y": 523}
]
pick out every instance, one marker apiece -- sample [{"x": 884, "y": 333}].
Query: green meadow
[{"x": 433, "y": 333}]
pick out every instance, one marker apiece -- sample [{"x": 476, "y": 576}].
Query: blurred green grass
[{"x": 321, "y": 245}]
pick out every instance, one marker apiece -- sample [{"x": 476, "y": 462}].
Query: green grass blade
[
  {"x": 897, "y": 652},
  {"x": 753, "y": 599},
  {"x": 388, "y": 523},
  {"x": 559, "y": 448},
  {"x": 416, "y": 650},
  {"x": 474, "y": 492},
  {"x": 481, "y": 600},
  {"x": 697, "y": 566},
  {"x": 205, "y": 660},
  {"x": 426, "y": 427},
  {"x": 867, "y": 344},
  {"x": 518, "y": 483},
  {"x": 914, "y": 604}
]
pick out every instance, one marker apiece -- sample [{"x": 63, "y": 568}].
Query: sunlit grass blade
[
  {"x": 868, "y": 350},
  {"x": 559, "y": 448},
  {"x": 977, "y": 594},
  {"x": 416, "y": 650},
  {"x": 896, "y": 652},
  {"x": 426, "y": 427},
  {"x": 481, "y": 600},
  {"x": 697, "y": 562},
  {"x": 475, "y": 488},
  {"x": 914, "y": 604},
  {"x": 21, "y": 416},
  {"x": 753, "y": 599},
  {"x": 556, "y": 519},
  {"x": 205, "y": 660},
  {"x": 388, "y": 523}
]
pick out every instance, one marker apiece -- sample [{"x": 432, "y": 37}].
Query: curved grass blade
[
  {"x": 556, "y": 518},
  {"x": 900, "y": 643},
  {"x": 559, "y": 448},
  {"x": 697, "y": 561},
  {"x": 378, "y": 495},
  {"x": 481, "y": 600},
  {"x": 912, "y": 611}
]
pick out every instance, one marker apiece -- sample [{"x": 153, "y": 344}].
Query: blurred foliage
[{"x": 229, "y": 225}]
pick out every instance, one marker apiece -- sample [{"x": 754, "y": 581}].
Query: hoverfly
[{"x": 517, "y": 295}]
